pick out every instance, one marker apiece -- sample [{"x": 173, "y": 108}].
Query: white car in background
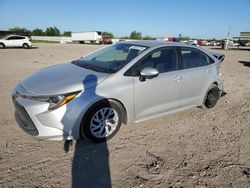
[
  {"x": 233, "y": 44},
  {"x": 192, "y": 42},
  {"x": 15, "y": 41}
]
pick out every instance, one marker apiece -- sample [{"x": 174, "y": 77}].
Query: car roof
[
  {"x": 13, "y": 36},
  {"x": 159, "y": 44},
  {"x": 154, "y": 43}
]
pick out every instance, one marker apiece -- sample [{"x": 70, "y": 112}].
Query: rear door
[
  {"x": 19, "y": 41},
  {"x": 194, "y": 75},
  {"x": 160, "y": 94}
]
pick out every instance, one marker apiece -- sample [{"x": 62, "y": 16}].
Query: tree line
[
  {"x": 54, "y": 31},
  {"x": 49, "y": 31}
]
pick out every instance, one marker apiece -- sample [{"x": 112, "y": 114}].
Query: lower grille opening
[{"x": 24, "y": 121}]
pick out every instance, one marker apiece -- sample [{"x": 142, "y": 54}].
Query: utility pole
[{"x": 227, "y": 40}]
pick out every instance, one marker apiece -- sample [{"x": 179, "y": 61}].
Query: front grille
[{"x": 24, "y": 120}]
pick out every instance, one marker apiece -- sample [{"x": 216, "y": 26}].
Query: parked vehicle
[
  {"x": 243, "y": 42},
  {"x": 192, "y": 42},
  {"x": 200, "y": 42},
  {"x": 233, "y": 44},
  {"x": 206, "y": 43},
  {"x": 216, "y": 43},
  {"x": 173, "y": 39},
  {"x": 127, "y": 82},
  {"x": 83, "y": 37},
  {"x": 15, "y": 41}
]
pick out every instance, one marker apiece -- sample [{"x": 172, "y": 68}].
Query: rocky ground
[{"x": 193, "y": 148}]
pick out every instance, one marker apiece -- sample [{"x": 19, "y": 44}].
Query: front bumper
[
  {"x": 59, "y": 124},
  {"x": 30, "y": 116},
  {"x": 24, "y": 120}
]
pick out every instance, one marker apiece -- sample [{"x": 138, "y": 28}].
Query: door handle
[{"x": 178, "y": 78}]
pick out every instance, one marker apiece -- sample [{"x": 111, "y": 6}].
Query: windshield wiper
[
  {"x": 83, "y": 65},
  {"x": 102, "y": 69},
  {"x": 91, "y": 67}
]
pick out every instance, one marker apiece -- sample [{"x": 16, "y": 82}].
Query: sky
[{"x": 157, "y": 18}]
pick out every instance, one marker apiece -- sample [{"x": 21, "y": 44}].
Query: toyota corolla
[{"x": 128, "y": 82}]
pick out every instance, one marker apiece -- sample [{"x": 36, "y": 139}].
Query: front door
[{"x": 161, "y": 94}]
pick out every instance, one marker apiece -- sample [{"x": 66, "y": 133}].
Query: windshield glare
[{"x": 112, "y": 58}]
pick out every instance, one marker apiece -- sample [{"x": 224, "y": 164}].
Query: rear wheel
[
  {"x": 212, "y": 97},
  {"x": 26, "y": 46},
  {"x": 2, "y": 45},
  {"x": 102, "y": 121}
]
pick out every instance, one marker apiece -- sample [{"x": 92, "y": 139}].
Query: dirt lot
[{"x": 193, "y": 148}]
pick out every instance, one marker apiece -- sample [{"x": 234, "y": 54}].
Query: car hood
[{"x": 62, "y": 78}]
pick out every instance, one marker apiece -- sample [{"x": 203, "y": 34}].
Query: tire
[
  {"x": 93, "y": 125},
  {"x": 26, "y": 46},
  {"x": 212, "y": 96},
  {"x": 2, "y": 45}
]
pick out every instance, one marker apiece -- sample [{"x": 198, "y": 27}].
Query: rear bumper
[{"x": 221, "y": 84}]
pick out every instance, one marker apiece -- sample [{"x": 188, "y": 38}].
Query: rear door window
[
  {"x": 20, "y": 38},
  {"x": 192, "y": 58}
]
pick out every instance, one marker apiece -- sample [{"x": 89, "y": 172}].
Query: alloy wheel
[{"x": 104, "y": 122}]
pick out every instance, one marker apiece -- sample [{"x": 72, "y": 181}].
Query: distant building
[{"x": 243, "y": 39}]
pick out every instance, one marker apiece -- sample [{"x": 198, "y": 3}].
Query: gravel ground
[{"x": 192, "y": 148}]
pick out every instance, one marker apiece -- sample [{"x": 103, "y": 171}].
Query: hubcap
[{"x": 104, "y": 122}]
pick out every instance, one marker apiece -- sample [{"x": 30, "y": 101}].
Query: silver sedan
[{"x": 128, "y": 82}]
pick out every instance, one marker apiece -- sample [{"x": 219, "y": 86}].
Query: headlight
[{"x": 54, "y": 101}]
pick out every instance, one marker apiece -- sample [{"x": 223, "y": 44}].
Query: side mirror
[{"x": 148, "y": 72}]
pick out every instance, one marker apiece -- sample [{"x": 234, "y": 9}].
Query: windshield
[{"x": 110, "y": 59}]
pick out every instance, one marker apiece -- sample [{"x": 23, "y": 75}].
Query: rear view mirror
[{"x": 148, "y": 72}]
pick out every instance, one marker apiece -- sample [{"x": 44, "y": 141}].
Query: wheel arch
[
  {"x": 116, "y": 101},
  {"x": 216, "y": 83},
  {"x": 124, "y": 111},
  {"x": 3, "y": 44},
  {"x": 210, "y": 86},
  {"x": 24, "y": 44}
]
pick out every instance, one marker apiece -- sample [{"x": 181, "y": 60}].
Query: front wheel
[
  {"x": 102, "y": 121},
  {"x": 2, "y": 45},
  {"x": 212, "y": 97}
]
